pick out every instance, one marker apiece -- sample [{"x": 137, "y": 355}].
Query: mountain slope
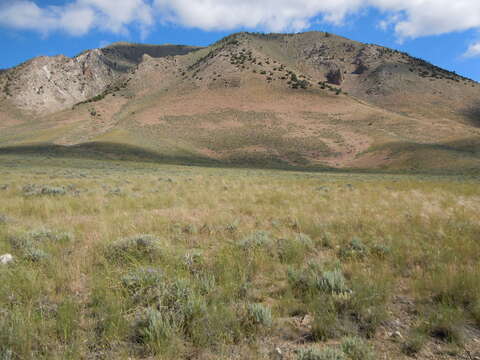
[
  {"x": 48, "y": 84},
  {"x": 311, "y": 99}
]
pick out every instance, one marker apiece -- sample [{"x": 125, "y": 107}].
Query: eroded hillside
[{"x": 311, "y": 99}]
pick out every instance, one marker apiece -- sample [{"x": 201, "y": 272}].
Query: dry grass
[{"x": 149, "y": 261}]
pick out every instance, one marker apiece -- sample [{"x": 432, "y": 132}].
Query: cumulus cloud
[
  {"x": 408, "y": 18},
  {"x": 77, "y": 17},
  {"x": 272, "y": 15},
  {"x": 473, "y": 50}
]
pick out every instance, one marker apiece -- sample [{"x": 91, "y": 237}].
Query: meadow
[{"x": 130, "y": 260}]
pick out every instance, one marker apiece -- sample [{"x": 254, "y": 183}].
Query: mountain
[{"x": 310, "y": 100}]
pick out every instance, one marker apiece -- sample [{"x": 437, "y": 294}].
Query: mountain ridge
[{"x": 313, "y": 99}]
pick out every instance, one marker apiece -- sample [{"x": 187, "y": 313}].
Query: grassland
[{"x": 131, "y": 260}]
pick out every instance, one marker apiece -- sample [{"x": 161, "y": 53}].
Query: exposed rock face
[{"x": 49, "y": 84}]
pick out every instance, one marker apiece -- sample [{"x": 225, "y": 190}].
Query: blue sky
[{"x": 444, "y": 34}]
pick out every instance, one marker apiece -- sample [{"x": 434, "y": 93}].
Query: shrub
[
  {"x": 357, "y": 349},
  {"x": 259, "y": 315},
  {"x": 414, "y": 343},
  {"x": 355, "y": 249},
  {"x": 156, "y": 330},
  {"x": 193, "y": 261},
  {"x": 138, "y": 247},
  {"x": 293, "y": 250},
  {"x": 255, "y": 240},
  {"x": 333, "y": 282},
  {"x": 329, "y": 322},
  {"x": 141, "y": 279},
  {"x": 313, "y": 279},
  {"x": 368, "y": 303},
  {"x": 36, "y": 190},
  {"x": 328, "y": 353},
  {"x": 49, "y": 235},
  {"x": 446, "y": 324},
  {"x": 34, "y": 254}
]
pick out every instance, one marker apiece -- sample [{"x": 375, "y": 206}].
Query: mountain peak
[{"x": 306, "y": 98}]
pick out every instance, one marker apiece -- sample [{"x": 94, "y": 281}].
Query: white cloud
[
  {"x": 272, "y": 15},
  {"x": 473, "y": 50},
  {"x": 408, "y": 18},
  {"x": 77, "y": 17}
]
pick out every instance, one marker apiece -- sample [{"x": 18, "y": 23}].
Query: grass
[{"x": 119, "y": 260}]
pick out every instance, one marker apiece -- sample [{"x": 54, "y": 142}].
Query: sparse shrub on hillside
[
  {"x": 354, "y": 249},
  {"x": 37, "y": 237},
  {"x": 328, "y": 353},
  {"x": 34, "y": 254},
  {"x": 293, "y": 250},
  {"x": 414, "y": 343},
  {"x": 141, "y": 280},
  {"x": 49, "y": 235},
  {"x": 193, "y": 261},
  {"x": 36, "y": 190},
  {"x": 357, "y": 349},
  {"x": 137, "y": 247},
  {"x": 445, "y": 323},
  {"x": 333, "y": 282},
  {"x": 232, "y": 227},
  {"x": 315, "y": 279},
  {"x": 329, "y": 319},
  {"x": 157, "y": 330},
  {"x": 259, "y": 315},
  {"x": 256, "y": 240}
]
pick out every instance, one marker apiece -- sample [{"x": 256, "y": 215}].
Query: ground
[{"x": 131, "y": 260}]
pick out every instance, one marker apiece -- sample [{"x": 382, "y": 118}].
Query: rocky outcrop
[
  {"x": 6, "y": 259},
  {"x": 49, "y": 84}
]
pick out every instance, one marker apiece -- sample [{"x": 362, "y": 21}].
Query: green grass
[{"x": 142, "y": 260}]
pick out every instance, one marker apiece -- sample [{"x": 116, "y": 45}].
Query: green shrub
[
  {"x": 34, "y": 254},
  {"x": 328, "y": 353},
  {"x": 414, "y": 343},
  {"x": 34, "y": 238},
  {"x": 156, "y": 330},
  {"x": 333, "y": 282},
  {"x": 357, "y": 349},
  {"x": 329, "y": 321},
  {"x": 139, "y": 247},
  {"x": 142, "y": 279},
  {"x": 368, "y": 303},
  {"x": 49, "y": 235},
  {"x": 255, "y": 240},
  {"x": 293, "y": 250},
  {"x": 259, "y": 315},
  {"x": 446, "y": 324},
  {"x": 36, "y": 190},
  {"x": 355, "y": 249},
  {"x": 313, "y": 279}
]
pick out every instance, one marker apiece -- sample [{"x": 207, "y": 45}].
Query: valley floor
[{"x": 124, "y": 260}]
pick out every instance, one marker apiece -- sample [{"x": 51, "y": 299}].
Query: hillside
[{"x": 311, "y": 100}]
